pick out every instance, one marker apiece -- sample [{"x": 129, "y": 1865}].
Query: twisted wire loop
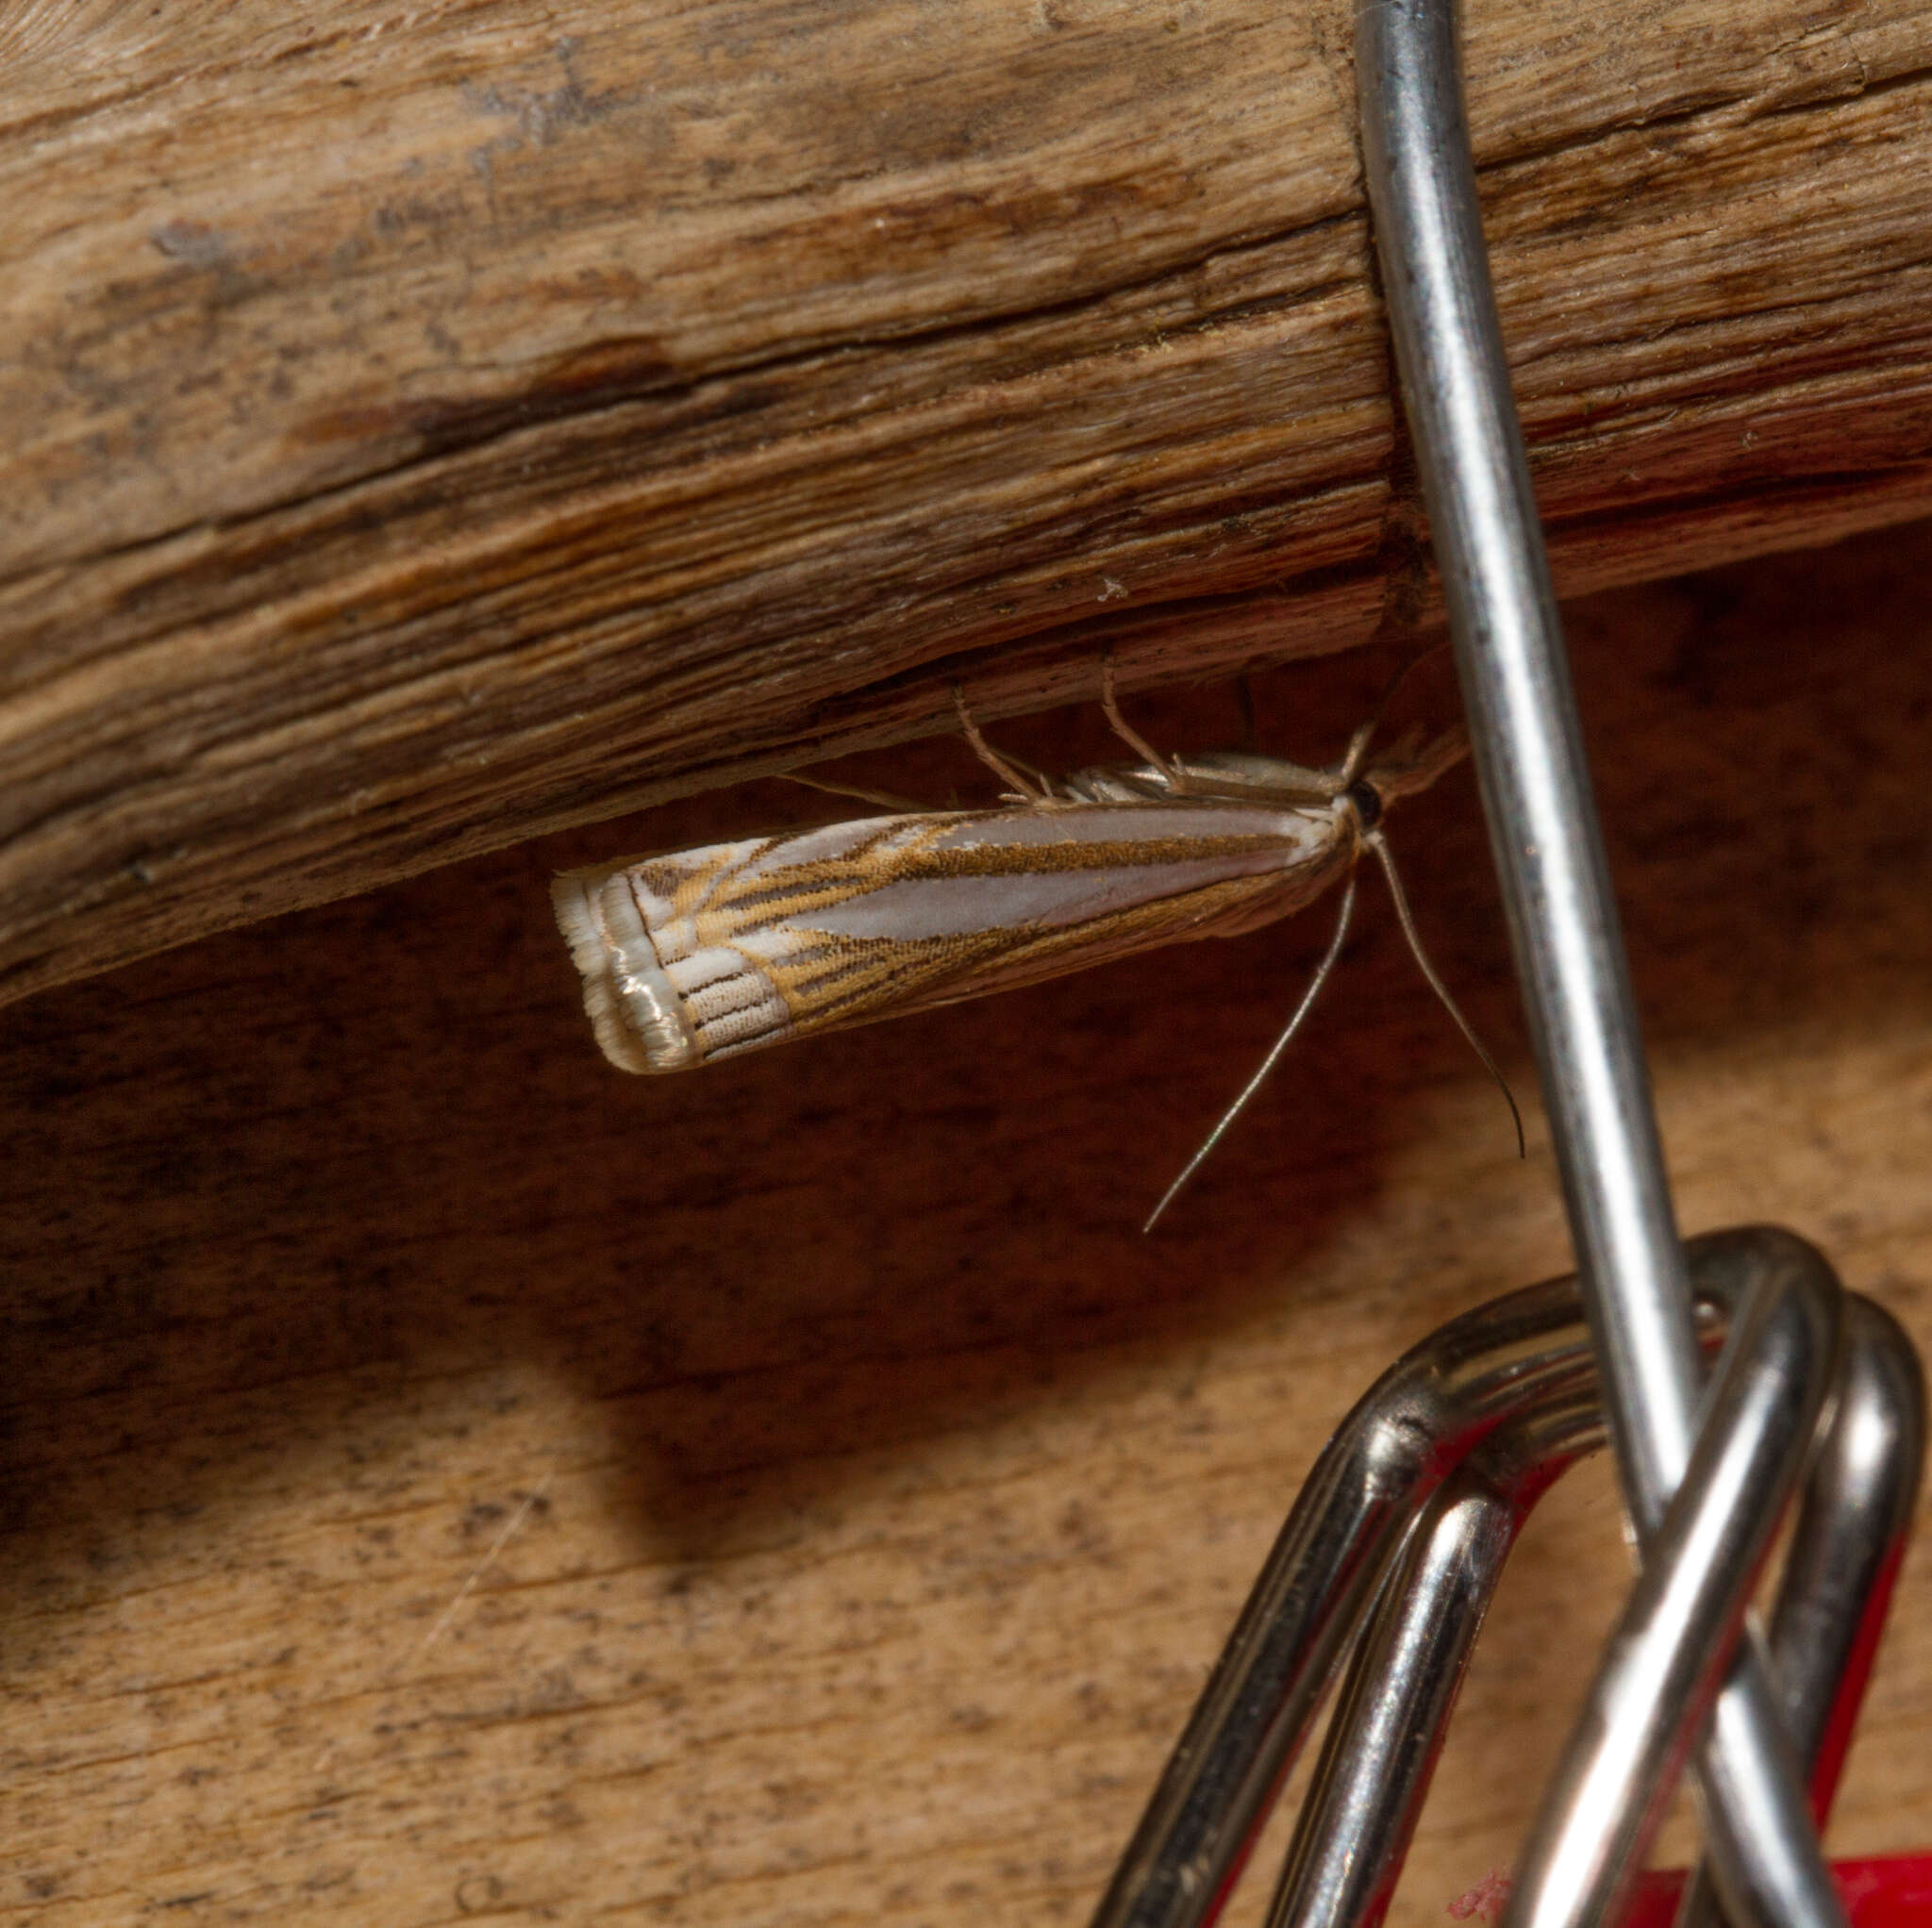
[
  {"x": 1548, "y": 848},
  {"x": 1398, "y": 1538}
]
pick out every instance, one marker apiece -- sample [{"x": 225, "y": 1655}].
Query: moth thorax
[{"x": 1366, "y": 801}]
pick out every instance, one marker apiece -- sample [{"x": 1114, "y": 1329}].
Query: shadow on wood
[{"x": 443, "y": 1470}]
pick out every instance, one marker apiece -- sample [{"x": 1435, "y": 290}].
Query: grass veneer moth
[{"x": 702, "y": 954}]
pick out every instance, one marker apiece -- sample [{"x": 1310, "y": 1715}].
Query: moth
[{"x": 702, "y": 954}]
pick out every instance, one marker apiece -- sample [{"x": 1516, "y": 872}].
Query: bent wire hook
[
  {"x": 1405, "y": 1523},
  {"x": 1549, "y": 855}
]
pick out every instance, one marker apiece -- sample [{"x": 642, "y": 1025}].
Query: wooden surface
[
  {"x": 429, "y": 428},
  {"x": 448, "y": 1478}
]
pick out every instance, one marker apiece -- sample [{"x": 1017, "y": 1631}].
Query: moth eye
[{"x": 1367, "y": 800}]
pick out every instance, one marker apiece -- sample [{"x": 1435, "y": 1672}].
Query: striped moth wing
[{"x": 706, "y": 953}]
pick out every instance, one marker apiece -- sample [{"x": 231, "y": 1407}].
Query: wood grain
[
  {"x": 428, "y": 430},
  {"x": 447, "y": 1478}
]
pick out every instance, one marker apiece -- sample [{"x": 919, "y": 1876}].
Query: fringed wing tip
[{"x": 632, "y": 1008}]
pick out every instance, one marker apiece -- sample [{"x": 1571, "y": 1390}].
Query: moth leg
[
  {"x": 1358, "y": 750},
  {"x": 1415, "y": 765},
  {"x": 1109, "y": 703},
  {"x": 1433, "y": 978},
  {"x": 1359, "y": 743},
  {"x": 1268, "y": 1063},
  {"x": 1019, "y": 790}
]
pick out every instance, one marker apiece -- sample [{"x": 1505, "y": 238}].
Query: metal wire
[
  {"x": 1461, "y": 1436},
  {"x": 1663, "y": 1665},
  {"x": 1375, "y": 1473},
  {"x": 1549, "y": 855},
  {"x": 1844, "y": 1558},
  {"x": 1392, "y": 1714}
]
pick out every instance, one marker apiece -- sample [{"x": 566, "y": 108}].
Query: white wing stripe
[
  {"x": 912, "y": 909},
  {"x": 696, "y": 971},
  {"x": 1136, "y": 826},
  {"x": 728, "y": 996}
]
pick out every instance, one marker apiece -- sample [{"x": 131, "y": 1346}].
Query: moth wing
[{"x": 706, "y": 953}]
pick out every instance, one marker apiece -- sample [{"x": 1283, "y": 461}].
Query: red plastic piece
[{"x": 1891, "y": 1891}]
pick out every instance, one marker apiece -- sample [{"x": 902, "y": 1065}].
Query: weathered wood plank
[{"x": 425, "y": 430}]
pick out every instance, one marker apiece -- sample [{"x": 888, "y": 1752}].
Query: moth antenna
[
  {"x": 1424, "y": 766},
  {"x": 1406, "y": 919},
  {"x": 1359, "y": 743},
  {"x": 848, "y": 789},
  {"x": 1268, "y": 1063},
  {"x": 1023, "y": 792},
  {"x": 1109, "y": 704}
]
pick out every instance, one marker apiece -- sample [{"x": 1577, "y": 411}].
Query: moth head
[
  {"x": 1366, "y": 799},
  {"x": 1409, "y": 765}
]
